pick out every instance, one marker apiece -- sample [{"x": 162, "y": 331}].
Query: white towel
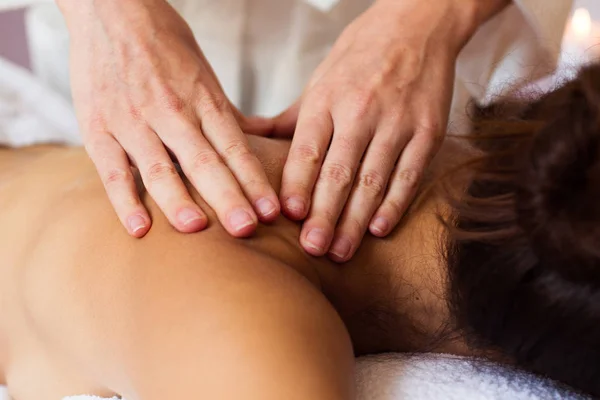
[
  {"x": 443, "y": 377},
  {"x": 446, "y": 377},
  {"x": 31, "y": 113}
]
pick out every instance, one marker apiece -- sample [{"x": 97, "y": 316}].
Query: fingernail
[
  {"x": 295, "y": 204},
  {"x": 380, "y": 226},
  {"x": 240, "y": 219},
  {"x": 188, "y": 215},
  {"x": 341, "y": 248},
  {"x": 266, "y": 207},
  {"x": 316, "y": 239},
  {"x": 136, "y": 223}
]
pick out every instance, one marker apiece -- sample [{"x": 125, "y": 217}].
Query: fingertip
[
  {"x": 241, "y": 223},
  {"x": 379, "y": 227},
  {"x": 268, "y": 209},
  {"x": 138, "y": 225},
  {"x": 315, "y": 241},
  {"x": 190, "y": 220},
  {"x": 295, "y": 208},
  {"x": 341, "y": 250}
]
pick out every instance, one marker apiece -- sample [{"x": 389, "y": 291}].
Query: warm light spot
[{"x": 581, "y": 23}]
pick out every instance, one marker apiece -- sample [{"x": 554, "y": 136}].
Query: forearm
[
  {"x": 474, "y": 13},
  {"x": 484, "y": 10},
  {"x": 454, "y": 20},
  {"x": 117, "y": 15}
]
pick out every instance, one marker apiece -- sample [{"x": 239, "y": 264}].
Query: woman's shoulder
[{"x": 171, "y": 303}]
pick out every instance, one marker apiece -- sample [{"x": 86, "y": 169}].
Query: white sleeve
[
  {"x": 520, "y": 44},
  {"x": 6, "y": 5}
]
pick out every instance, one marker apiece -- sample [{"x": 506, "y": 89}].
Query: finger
[
  {"x": 305, "y": 158},
  {"x": 257, "y": 126},
  {"x": 404, "y": 183},
  {"x": 209, "y": 175},
  {"x": 333, "y": 187},
  {"x": 284, "y": 125},
  {"x": 368, "y": 191},
  {"x": 163, "y": 182},
  {"x": 253, "y": 125},
  {"x": 115, "y": 172},
  {"x": 225, "y": 136}
]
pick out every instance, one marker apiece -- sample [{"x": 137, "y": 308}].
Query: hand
[
  {"x": 143, "y": 89},
  {"x": 369, "y": 122}
]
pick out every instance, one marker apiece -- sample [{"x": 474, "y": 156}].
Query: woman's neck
[{"x": 391, "y": 295}]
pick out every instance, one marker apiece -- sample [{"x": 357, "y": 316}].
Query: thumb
[
  {"x": 252, "y": 125},
  {"x": 257, "y": 126},
  {"x": 284, "y": 125}
]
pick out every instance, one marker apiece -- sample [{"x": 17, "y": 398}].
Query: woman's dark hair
[{"x": 524, "y": 243}]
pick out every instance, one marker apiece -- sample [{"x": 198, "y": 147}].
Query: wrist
[
  {"x": 472, "y": 14},
  {"x": 452, "y": 22},
  {"x": 80, "y": 14},
  {"x": 75, "y": 9}
]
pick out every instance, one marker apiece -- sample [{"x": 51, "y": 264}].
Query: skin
[
  {"x": 371, "y": 119},
  {"x": 382, "y": 95},
  {"x": 84, "y": 308}
]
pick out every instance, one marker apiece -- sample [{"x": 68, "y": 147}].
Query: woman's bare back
[{"x": 77, "y": 288}]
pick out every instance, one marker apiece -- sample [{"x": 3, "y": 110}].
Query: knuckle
[
  {"x": 389, "y": 143},
  {"x": 134, "y": 112},
  {"x": 159, "y": 171},
  {"x": 205, "y": 159},
  {"x": 319, "y": 97},
  {"x": 431, "y": 128},
  {"x": 409, "y": 178},
  {"x": 372, "y": 182},
  {"x": 213, "y": 104},
  {"x": 408, "y": 71},
  {"x": 385, "y": 73},
  {"x": 96, "y": 124},
  {"x": 362, "y": 104},
  {"x": 396, "y": 208},
  {"x": 338, "y": 174},
  {"x": 237, "y": 150},
  {"x": 345, "y": 144},
  {"x": 115, "y": 176},
  {"x": 169, "y": 100},
  {"x": 307, "y": 153}
]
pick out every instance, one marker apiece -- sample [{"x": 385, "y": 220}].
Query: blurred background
[
  {"x": 13, "y": 37},
  {"x": 45, "y": 32}
]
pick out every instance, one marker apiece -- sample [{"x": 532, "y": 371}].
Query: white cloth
[
  {"x": 264, "y": 51},
  {"x": 31, "y": 113},
  {"x": 442, "y": 377},
  {"x": 446, "y": 377}
]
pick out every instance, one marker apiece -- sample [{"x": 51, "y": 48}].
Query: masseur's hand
[
  {"x": 370, "y": 121},
  {"x": 144, "y": 92}
]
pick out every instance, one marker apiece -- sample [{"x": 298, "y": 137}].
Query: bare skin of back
[{"x": 86, "y": 309}]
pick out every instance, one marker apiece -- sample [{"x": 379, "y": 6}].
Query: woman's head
[{"x": 524, "y": 246}]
